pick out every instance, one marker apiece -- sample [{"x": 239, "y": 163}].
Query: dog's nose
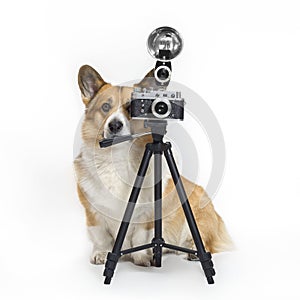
[{"x": 115, "y": 126}]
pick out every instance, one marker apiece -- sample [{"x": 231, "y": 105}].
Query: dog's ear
[
  {"x": 90, "y": 82},
  {"x": 148, "y": 81}
]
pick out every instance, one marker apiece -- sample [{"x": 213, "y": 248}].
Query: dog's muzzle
[{"x": 115, "y": 126}]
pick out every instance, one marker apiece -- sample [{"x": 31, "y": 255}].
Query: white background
[{"x": 242, "y": 57}]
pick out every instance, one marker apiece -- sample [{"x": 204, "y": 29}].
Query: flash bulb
[{"x": 164, "y": 38}]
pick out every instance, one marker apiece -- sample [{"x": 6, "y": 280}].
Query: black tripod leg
[
  {"x": 157, "y": 240},
  {"x": 205, "y": 257},
  {"x": 112, "y": 257}
]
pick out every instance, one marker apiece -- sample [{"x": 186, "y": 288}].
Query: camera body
[{"x": 156, "y": 104}]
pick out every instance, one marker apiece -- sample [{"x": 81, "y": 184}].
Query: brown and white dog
[{"x": 105, "y": 177}]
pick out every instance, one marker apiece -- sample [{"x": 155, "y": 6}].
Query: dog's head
[{"x": 107, "y": 107}]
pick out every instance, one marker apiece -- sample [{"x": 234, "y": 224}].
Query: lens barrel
[
  {"x": 163, "y": 74},
  {"x": 161, "y": 108}
]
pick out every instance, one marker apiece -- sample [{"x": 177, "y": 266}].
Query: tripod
[{"x": 157, "y": 148}]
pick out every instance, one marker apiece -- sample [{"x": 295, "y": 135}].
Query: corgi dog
[{"x": 105, "y": 177}]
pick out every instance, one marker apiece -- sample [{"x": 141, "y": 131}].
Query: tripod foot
[
  {"x": 107, "y": 280},
  {"x": 210, "y": 280},
  {"x": 208, "y": 267},
  {"x": 110, "y": 265}
]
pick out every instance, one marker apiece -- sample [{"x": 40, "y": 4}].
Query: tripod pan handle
[{"x": 115, "y": 140}]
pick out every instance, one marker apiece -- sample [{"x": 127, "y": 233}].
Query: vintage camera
[
  {"x": 164, "y": 44},
  {"x": 156, "y": 104}
]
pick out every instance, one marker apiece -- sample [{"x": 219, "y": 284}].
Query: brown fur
[{"x": 210, "y": 224}]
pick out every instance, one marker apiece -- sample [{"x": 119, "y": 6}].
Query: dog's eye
[{"x": 106, "y": 107}]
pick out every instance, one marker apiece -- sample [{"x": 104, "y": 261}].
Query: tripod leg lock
[
  {"x": 207, "y": 266},
  {"x": 110, "y": 265},
  {"x": 157, "y": 251}
]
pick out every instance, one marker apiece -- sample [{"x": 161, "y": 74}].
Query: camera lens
[
  {"x": 163, "y": 74},
  {"x": 161, "y": 108}
]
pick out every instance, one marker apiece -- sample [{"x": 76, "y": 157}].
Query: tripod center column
[{"x": 158, "y": 240}]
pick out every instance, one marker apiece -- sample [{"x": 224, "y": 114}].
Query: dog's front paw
[
  {"x": 192, "y": 257},
  {"x": 142, "y": 259},
  {"x": 98, "y": 257}
]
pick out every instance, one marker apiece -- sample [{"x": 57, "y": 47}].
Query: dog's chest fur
[{"x": 108, "y": 177}]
